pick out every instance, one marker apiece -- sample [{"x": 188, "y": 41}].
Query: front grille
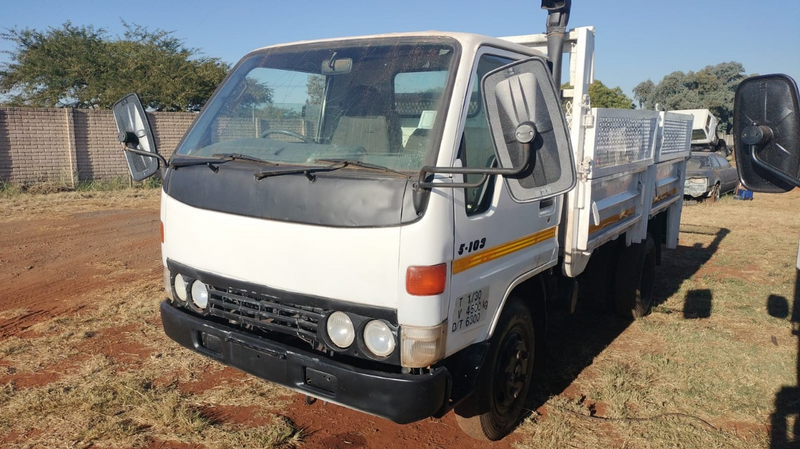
[{"x": 253, "y": 311}]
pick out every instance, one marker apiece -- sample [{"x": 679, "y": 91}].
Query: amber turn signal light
[{"x": 426, "y": 281}]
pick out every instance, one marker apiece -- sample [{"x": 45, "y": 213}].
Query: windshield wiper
[
  {"x": 307, "y": 170},
  {"x": 243, "y": 157},
  {"x": 219, "y": 158},
  {"x": 362, "y": 164}
]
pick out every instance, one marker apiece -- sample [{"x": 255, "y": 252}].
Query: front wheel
[{"x": 493, "y": 410}]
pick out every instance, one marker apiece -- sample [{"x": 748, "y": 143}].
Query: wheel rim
[{"x": 512, "y": 372}]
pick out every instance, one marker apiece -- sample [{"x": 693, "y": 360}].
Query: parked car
[{"x": 709, "y": 175}]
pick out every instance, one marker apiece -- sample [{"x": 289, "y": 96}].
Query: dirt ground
[
  {"x": 57, "y": 262},
  {"x": 54, "y": 265}
]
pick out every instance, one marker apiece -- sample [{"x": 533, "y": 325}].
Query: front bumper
[{"x": 402, "y": 398}]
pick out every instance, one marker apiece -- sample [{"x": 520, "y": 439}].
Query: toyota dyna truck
[{"x": 378, "y": 222}]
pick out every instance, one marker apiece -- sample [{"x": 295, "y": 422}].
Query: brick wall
[{"x": 62, "y": 145}]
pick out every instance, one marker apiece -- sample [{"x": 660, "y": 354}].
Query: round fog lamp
[
  {"x": 378, "y": 338},
  {"x": 199, "y": 294},
  {"x": 340, "y": 329},
  {"x": 180, "y": 288}
]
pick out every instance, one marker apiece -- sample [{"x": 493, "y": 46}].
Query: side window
[{"x": 477, "y": 150}]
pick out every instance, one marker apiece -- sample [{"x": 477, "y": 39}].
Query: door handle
[{"x": 547, "y": 207}]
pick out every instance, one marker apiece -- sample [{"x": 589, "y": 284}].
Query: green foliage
[
  {"x": 316, "y": 89},
  {"x": 605, "y": 97},
  {"x": 84, "y": 67},
  {"x": 711, "y": 88}
]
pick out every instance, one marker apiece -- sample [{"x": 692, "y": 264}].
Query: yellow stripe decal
[
  {"x": 611, "y": 220},
  {"x": 664, "y": 196},
  {"x": 505, "y": 249}
]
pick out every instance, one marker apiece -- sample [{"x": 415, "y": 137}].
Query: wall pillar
[{"x": 71, "y": 150}]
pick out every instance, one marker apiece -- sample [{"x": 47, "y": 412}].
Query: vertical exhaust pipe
[{"x": 557, "y": 19}]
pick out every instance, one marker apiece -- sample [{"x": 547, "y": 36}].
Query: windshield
[
  {"x": 698, "y": 163},
  {"x": 373, "y": 101}
]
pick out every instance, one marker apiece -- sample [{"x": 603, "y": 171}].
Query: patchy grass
[
  {"x": 707, "y": 367},
  {"x": 714, "y": 365},
  {"x": 20, "y": 207},
  {"x": 109, "y": 377},
  {"x": 47, "y": 187}
]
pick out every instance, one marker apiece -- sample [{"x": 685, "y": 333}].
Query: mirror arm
[
  {"x": 147, "y": 154},
  {"x": 421, "y": 184},
  {"x": 783, "y": 177}
]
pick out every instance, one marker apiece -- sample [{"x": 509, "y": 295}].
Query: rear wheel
[
  {"x": 635, "y": 278},
  {"x": 715, "y": 193},
  {"x": 494, "y": 408}
]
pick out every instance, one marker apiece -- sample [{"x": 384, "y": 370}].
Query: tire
[
  {"x": 715, "y": 193},
  {"x": 635, "y": 278},
  {"x": 493, "y": 410},
  {"x": 598, "y": 278}
]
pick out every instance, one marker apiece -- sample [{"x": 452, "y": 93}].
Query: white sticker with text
[{"x": 469, "y": 310}]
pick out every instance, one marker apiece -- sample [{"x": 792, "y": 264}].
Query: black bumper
[{"x": 398, "y": 397}]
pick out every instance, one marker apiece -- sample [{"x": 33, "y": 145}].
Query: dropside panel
[{"x": 618, "y": 148}]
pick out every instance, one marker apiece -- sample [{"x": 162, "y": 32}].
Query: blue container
[{"x": 743, "y": 194}]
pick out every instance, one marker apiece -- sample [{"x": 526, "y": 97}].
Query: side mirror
[
  {"x": 134, "y": 132},
  {"x": 766, "y": 129},
  {"x": 526, "y": 121}
]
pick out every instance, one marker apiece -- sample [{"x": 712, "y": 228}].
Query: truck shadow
[
  {"x": 684, "y": 262},
  {"x": 575, "y": 341},
  {"x": 785, "y": 420}
]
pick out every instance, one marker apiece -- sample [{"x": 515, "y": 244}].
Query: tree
[
  {"x": 711, "y": 88},
  {"x": 316, "y": 89},
  {"x": 643, "y": 91},
  {"x": 80, "y": 66},
  {"x": 605, "y": 97},
  {"x": 601, "y": 96}
]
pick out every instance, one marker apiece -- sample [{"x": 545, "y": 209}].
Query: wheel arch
[{"x": 531, "y": 288}]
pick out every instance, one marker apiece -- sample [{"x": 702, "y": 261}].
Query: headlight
[
  {"x": 378, "y": 338},
  {"x": 180, "y": 288},
  {"x": 199, "y": 294},
  {"x": 340, "y": 329}
]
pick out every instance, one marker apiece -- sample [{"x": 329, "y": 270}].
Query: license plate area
[{"x": 321, "y": 380}]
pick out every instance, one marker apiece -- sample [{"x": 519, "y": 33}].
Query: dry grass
[
  {"x": 27, "y": 206},
  {"x": 125, "y": 391},
  {"x": 705, "y": 368}
]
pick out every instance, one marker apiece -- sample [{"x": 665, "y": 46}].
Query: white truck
[
  {"x": 704, "y": 131},
  {"x": 379, "y": 221}
]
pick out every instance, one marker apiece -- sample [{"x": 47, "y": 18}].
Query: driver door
[{"x": 501, "y": 237}]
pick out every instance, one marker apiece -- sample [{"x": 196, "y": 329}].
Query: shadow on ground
[
  {"x": 785, "y": 420},
  {"x": 574, "y": 341}
]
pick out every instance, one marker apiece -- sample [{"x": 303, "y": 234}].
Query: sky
[{"x": 636, "y": 40}]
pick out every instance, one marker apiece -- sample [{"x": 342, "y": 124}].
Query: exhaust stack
[{"x": 557, "y": 19}]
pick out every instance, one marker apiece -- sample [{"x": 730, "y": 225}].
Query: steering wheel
[{"x": 285, "y": 133}]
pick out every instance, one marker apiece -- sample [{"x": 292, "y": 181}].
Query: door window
[{"x": 477, "y": 149}]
